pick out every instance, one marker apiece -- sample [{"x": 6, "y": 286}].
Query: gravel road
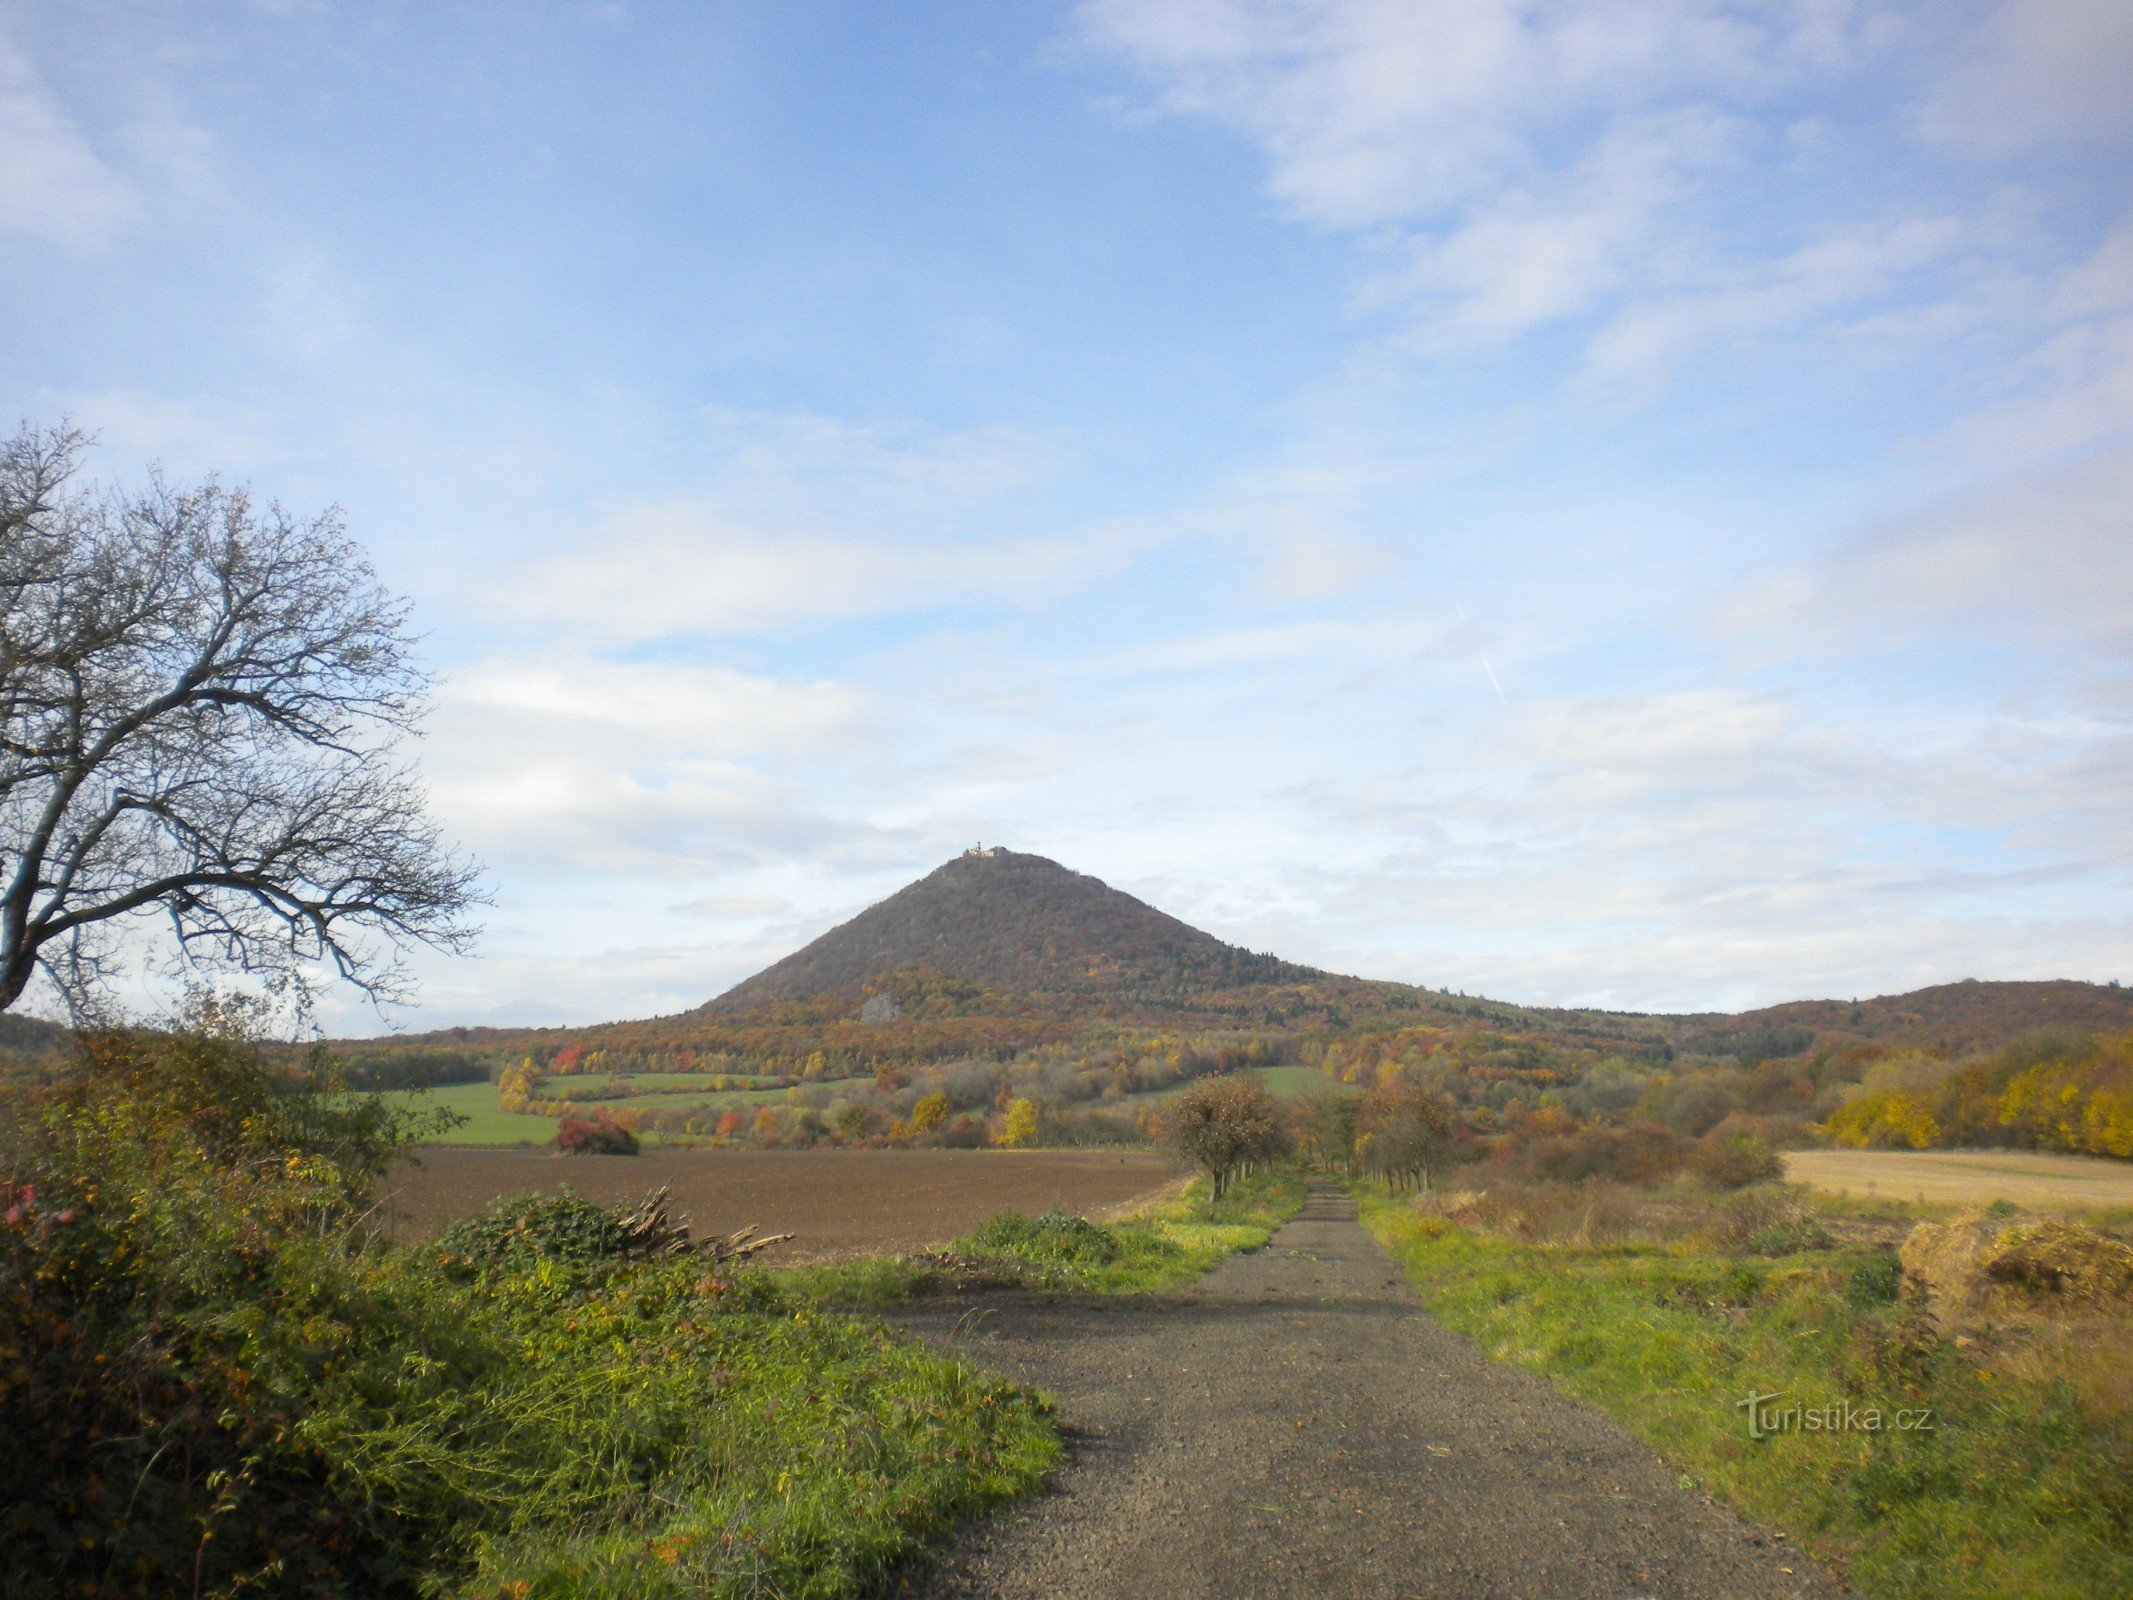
[{"x": 1297, "y": 1425}]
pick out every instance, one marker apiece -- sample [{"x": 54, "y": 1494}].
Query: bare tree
[
  {"x": 199, "y": 703},
  {"x": 1223, "y": 1126}
]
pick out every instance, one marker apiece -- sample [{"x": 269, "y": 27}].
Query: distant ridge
[
  {"x": 1970, "y": 1015},
  {"x": 1020, "y": 924}
]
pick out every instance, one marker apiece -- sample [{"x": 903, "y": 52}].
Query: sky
[{"x": 1620, "y": 504}]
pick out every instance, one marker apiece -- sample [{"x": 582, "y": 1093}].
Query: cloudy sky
[{"x": 1622, "y": 503}]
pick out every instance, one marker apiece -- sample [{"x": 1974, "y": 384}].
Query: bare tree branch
[{"x": 200, "y": 701}]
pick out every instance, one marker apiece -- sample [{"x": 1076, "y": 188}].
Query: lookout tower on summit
[{"x": 980, "y": 852}]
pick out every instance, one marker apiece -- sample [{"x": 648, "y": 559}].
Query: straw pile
[{"x": 1979, "y": 1267}]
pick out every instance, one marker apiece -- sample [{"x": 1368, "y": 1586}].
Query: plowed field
[{"x": 838, "y": 1203}]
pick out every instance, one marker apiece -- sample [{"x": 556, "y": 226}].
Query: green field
[
  {"x": 679, "y": 1101},
  {"x": 485, "y": 1123},
  {"x": 1293, "y": 1080},
  {"x": 700, "y": 1082}
]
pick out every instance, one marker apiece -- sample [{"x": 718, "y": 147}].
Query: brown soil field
[
  {"x": 838, "y": 1204},
  {"x": 1967, "y": 1177}
]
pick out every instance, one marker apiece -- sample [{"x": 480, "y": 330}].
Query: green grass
[
  {"x": 768, "y": 1447},
  {"x": 670, "y": 1100},
  {"x": 1278, "y": 1080},
  {"x": 697, "y": 1085},
  {"x": 2012, "y": 1492},
  {"x": 485, "y": 1123},
  {"x": 1294, "y": 1080},
  {"x": 670, "y": 1080}
]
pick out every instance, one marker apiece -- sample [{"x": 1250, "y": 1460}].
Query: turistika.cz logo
[{"x": 1767, "y": 1418}]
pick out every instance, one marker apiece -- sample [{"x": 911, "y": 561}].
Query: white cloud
[
  {"x": 696, "y": 711},
  {"x": 53, "y": 185},
  {"x": 1557, "y": 244},
  {"x": 738, "y": 907},
  {"x": 1529, "y": 165},
  {"x": 680, "y": 568},
  {"x": 1629, "y": 165},
  {"x": 2044, "y": 560},
  {"x": 189, "y": 438},
  {"x": 1373, "y": 111},
  {"x": 596, "y": 766},
  {"x": 2075, "y": 387},
  {"x": 1841, "y": 269},
  {"x": 2038, "y": 72},
  {"x": 809, "y": 520}
]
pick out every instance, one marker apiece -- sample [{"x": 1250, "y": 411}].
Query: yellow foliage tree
[
  {"x": 1021, "y": 1125},
  {"x": 2107, "y": 1123},
  {"x": 514, "y": 1090},
  {"x": 931, "y": 1112},
  {"x": 1892, "y": 1119}
]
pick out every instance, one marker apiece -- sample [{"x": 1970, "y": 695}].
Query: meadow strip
[{"x": 2011, "y": 1486}]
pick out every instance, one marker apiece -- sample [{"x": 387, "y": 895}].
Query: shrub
[
  {"x": 597, "y": 1134},
  {"x": 1733, "y": 1161},
  {"x": 1644, "y": 1154},
  {"x": 517, "y": 1229},
  {"x": 1876, "y": 1281},
  {"x": 1058, "y": 1238},
  {"x": 171, "y": 1262},
  {"x": 1766, "y": 1222}
]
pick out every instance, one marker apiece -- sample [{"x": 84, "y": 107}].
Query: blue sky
[{"x": 1618, "y": 504}]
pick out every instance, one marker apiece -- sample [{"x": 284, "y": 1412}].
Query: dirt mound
[{"x": 1981, "y": 1266}]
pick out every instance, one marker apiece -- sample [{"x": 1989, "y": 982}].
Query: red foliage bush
[{"x": 596, "y": 1135}]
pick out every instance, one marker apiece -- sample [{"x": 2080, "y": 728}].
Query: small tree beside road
[{"x": 1224, "y": 1126}]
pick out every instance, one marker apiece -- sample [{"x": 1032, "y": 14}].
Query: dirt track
[
  {"x": 1298, "y": 1426},
  {"x": 837, "y": 1203}
]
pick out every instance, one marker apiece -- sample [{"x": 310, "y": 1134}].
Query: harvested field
[
  {"x": 1967, "y": 1177},
  {"x": 839, "y": 1204}
]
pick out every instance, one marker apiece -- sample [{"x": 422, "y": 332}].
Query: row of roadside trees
[{"x": 1230, "y": 1125}]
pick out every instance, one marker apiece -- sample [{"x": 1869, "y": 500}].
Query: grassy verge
[
  {"x": 1169, "y": 1243},
  {"x": 2020, "y": 1487},
  {"x": 699, "y": 1437}
]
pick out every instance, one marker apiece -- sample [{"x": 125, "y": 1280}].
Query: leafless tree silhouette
[{"x": 200, "y": 703}]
